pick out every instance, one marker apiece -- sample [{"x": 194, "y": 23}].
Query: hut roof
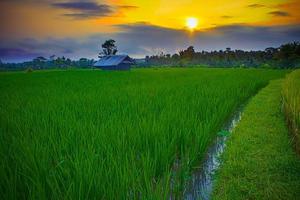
[{"x": 113, "y": 60}]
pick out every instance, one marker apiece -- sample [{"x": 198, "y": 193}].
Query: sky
[{"x": 77, "y": 28}]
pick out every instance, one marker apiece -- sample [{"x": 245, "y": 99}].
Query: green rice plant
[
  {"x": 291, "y": 103},
  {"x": 91, "y": 134}
]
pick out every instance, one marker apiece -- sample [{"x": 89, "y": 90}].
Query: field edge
[{"x": 249, "y": 170}]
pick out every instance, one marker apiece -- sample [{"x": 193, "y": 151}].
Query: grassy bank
[
  {"x": 291, "y": 103},
  {"x": 112, "y": 135},
  {"x": 259, "y": 162}
]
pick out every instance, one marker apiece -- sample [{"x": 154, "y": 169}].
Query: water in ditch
[{"x": 201, "y": 183}]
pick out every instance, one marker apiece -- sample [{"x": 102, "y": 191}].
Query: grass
[
  {"x": 291, "y": 103},
  {"x": 112, "y": 135},
  {"x": 259, "y": 162}
]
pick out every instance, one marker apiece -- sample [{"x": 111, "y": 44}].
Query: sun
[{"x": 191, "y": 22}]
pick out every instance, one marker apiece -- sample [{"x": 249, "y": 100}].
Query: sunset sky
[{"x": 76, "y": 28}]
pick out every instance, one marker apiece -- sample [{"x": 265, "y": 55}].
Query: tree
[
  {"x": 270, "y": 52},
  {"x": 40, "y": 59},
  {"x": 188, "y": 53},
  {"x": 51, "y": 58},
  {"x": 39, "y": 62},
  {"x": 289, "y": 54},
  {"x": 108, "y": 48},
  {"x": 228, "y": 49}
]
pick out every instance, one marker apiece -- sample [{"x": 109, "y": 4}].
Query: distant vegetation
[
  {"x": 63, "y": 137},
  {"x": 52, "y": 63},
  {"x": 291, "y": 102},
  {"x": 286, "y": 56}
]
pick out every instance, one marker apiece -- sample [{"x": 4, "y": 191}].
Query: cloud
[
  {"x": 29, "y": 48},
  {"x": 87, "y": 9},
  {"x": 16, "y": 54},
  {"x": 256, "y": 5},
  {"x": 128, "y": 7},
  {"x": 279, "y": 13},
  {"x": 226, "y": 17},
  {"x": 140, "y": 39}
]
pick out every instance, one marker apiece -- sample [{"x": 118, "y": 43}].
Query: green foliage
[
  {"x": 259, "y": 162},
  {"x": 53, "y": 62},
  {"x": 266, "y": 66},
  {"x": 223, "y": 133},
  {"x": 92, "y": 134},
  {"x": 29, "y": 70},
  {"x": 291, "y": 103}
]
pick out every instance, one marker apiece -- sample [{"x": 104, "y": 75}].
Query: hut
[{"x": 114, "y": 62}]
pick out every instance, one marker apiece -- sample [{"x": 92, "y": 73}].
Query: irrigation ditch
[{"x": 200, "y": 183}]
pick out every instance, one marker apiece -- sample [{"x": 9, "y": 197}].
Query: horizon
[
  {"x": 76, "y": 29},
  {"x": 134, "y": 57}
]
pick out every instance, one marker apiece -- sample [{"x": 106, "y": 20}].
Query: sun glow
[{"x": 191, "y": 22}]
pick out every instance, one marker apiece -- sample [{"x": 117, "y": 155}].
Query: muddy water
[{"x": 201, "y": 183}]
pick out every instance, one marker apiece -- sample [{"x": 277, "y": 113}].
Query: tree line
[
  {"x": 50, "y": 63},
  {"x": 285, "y": 56}
]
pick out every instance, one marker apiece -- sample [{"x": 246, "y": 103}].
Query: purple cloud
[
  {"x": 85, "y": 9},
  {"x": 16, "y": 54}
]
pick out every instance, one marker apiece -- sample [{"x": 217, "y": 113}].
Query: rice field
[
  {"x": 89, "y": 134},
  {"x": 291, "y": 103}
]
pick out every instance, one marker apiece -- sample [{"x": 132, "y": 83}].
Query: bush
[
  {"x": 291, "y": 104},
  {"x": 29, "y": 70}
]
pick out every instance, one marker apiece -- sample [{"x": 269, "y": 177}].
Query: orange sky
[{"x": 42, "y": 19}]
